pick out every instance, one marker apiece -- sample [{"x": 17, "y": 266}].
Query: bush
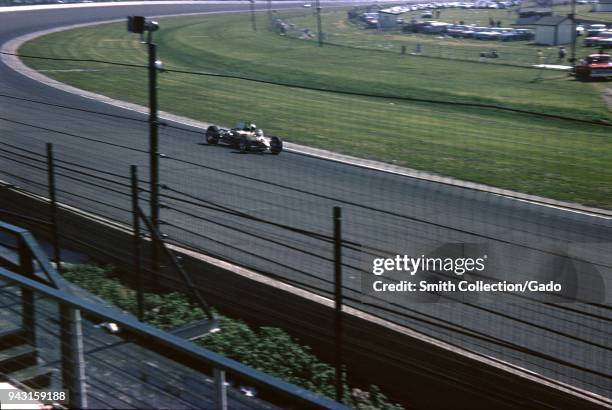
[{"x": 268, "y": 349}]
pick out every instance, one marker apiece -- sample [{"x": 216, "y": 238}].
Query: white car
[{"x": 245, "y": 136}]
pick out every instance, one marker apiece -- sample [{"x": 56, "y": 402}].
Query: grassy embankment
[{"x": 555, "y": 158}]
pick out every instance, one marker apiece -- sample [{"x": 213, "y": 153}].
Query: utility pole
[
  {"x": 138, "y": 24},
  {"x": 572, "y": 17},
  {"x": 319, "y": 29},
  {"x": 153, "y": 151},
  {"x": 252, "y": 3},
  {"x": 269, "y": 8}
]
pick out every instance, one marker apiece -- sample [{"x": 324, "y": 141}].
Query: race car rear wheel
[
  {"x": 212, "y": 135},
  {"x": 244, "y": 145},
  {"x": 276, "y": 145}
]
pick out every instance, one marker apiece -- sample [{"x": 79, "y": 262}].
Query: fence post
[
  {"x": 220, "y": 390},
  {"x": 338, "y": 300},
  {"x": 27, "y": 295},
  {"x": 53, "y": 210},
  {"x": 73, "y": 358},
  {"x": 136, "y": 241},
  {"x": 154, "y": 155}
]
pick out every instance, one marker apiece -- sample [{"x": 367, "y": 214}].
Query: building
[
  {"x": 387, "y": 19},
  {"x": 554, "y": 30},
  {"x": 603, "y": 5}
]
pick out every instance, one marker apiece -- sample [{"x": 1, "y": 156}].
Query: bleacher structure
[{"x": 51, "y": 340}]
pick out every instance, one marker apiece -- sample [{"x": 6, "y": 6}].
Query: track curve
[{"x": 382, "y": 211}]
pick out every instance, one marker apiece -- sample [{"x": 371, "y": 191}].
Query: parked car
[
  {"x": 525, "y": 34},
  {"x": 594, "y": 66},
  {"x": 435, "y": 27},
  {"x": 487, "y": 35},
  {"x": 456, "y": 30},
  {"x": 469, "y": 33},
  {"x": 602, "y": 39},
  {"x": 595, "y": 29},
  {"x": 510, "y": 36},
  {"x": 368, "y": 16}
]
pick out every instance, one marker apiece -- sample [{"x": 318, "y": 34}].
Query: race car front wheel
[
  {"x": 212, "y": 135},
  {"x": 276, "y": 145}
]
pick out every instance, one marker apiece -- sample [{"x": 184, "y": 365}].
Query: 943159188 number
[{"x": 11, "y": 395}]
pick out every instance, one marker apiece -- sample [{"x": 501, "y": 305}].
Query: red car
[{"x": 594, "y": 66}]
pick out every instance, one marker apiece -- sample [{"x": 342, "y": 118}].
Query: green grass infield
[{"x": 557, "y": 158}]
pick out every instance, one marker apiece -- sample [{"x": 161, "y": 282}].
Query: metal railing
[{"x": 67, "y": 309}]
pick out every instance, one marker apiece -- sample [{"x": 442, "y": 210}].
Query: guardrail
[
  {"x": 72, "y": 357},
  {"x": 27, "y": 248}
]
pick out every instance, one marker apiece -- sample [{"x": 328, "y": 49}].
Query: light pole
[
  {"x": 319, "y": 29},
  {"x": 252, "y": 3},
  {"x": 138, "y": 24},
  {"x": 153, "y": 151}
]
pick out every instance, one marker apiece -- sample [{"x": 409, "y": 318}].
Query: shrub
[{"x": 268, "y": 349}]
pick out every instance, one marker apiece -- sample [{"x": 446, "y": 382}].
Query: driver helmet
[{"x": 252, "y": 127}]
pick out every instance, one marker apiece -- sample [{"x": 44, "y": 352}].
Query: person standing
[{"x": 562, "y": 53}]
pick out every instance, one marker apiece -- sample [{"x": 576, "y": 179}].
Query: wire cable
[
  {"x": 73, "y": 135},
  {"x": 496, "y": 340},
  {"x": 327, "y": 90},
  {"x": 67, "y": 107}
]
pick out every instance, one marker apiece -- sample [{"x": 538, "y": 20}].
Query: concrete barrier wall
[{"x": 418, "y": 371}]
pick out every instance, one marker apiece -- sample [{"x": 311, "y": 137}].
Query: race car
[{"x": 245, "y": 136}]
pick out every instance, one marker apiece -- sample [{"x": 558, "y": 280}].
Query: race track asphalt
[{"x": 383, "y": 215}]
